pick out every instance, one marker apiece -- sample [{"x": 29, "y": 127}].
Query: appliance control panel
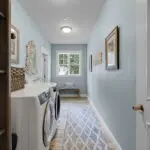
[{"x": 44, "y": 97}]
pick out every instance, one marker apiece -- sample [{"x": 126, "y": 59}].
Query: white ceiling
[{"x": 50, "y": 15}]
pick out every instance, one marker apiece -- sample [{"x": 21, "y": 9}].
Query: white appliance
[
  {"x": 56, "y": 105},
  {"x": 33, "y": 117}
]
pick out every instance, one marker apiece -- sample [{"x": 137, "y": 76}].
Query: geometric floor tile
[{"x": 79, "y": 129}]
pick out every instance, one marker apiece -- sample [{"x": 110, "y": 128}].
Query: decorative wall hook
[{"x": 2, "y": 17}]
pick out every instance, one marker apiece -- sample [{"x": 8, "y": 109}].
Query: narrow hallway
[
  {"x": 74, "y": 48},
  {"x": 80, "y": 129}
]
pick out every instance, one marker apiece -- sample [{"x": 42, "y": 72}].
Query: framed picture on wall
[
  {"x": 30, "y": 63},
  {"x": 97, "y": 58},
  {"x": 90, "y": 63},
  {"x": 14, "y": 46},
  {"x": 112, "y": 50}
]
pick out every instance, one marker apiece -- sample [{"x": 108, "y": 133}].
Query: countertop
[{"x": 32, "y": 90}]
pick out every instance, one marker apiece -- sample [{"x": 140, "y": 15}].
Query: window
[{"x": 68, "y": 63}]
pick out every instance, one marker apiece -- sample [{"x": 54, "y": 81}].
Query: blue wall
[
  {"x": 114, "y": 92},
  {"x": 80, "y": 81},
  {"x": 28, "y": 31}
]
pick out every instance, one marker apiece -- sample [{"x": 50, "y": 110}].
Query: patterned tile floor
[{"x": 80, "y": 129}]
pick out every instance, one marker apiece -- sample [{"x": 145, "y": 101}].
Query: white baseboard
[
  {"x": 105, "y": 126},
  {"x": 72, "y": 95}
]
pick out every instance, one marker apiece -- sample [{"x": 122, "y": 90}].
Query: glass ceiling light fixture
[{"x": 66, "y": 29}]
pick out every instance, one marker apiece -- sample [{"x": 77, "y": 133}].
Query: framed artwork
[
  {"x": 112, "y": 50},
  {"x": 30, "y": 66},
  {"x": 90, "y": 63},
  {"x": 98, "y": 58},
  {"x": 14, "y": 46}
]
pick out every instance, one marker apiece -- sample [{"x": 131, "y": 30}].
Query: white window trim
[{"x": 70, "y": 52}]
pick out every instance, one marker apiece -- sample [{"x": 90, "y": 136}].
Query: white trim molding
[
  {"x": 44, "y": 51},
  {"x": 47, "y": 53},
  {"x": 115, "y": 144}
]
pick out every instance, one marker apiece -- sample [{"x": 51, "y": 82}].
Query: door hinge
[
  {"x": 2, "y": 131},
  {"x": 2, "y": 17}
]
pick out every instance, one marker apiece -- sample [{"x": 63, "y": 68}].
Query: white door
[
  {"x": 143, "y": 74},
  {"x": 45, "y": 67}
]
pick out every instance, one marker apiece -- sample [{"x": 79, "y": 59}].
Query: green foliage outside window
[{"x": 69, "y": 64}]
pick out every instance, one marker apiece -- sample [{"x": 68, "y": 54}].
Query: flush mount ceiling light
[{"x": 66, "y": 29}]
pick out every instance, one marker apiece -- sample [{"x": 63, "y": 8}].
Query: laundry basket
[{"x": 17, "y": 78}]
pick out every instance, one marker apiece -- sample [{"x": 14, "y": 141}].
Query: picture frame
[
  {"x": 31, "y": 61},
  {"x": 112, "y": 49},
  {"x": 14, "y": 46},
  {"x": 98, "y": 58},
  {"x": 91, "y": 63}
]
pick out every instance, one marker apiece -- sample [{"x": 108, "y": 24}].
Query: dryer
[{"x": 33, "y": 117}]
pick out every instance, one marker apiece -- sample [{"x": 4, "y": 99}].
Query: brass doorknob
[{"x": 139, "y": 107}]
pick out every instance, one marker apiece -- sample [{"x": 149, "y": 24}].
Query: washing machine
[
  {"x": 56, "y": 102},
  {"x": 57, "y": 105},
  {"x": 33, "y": 117}
]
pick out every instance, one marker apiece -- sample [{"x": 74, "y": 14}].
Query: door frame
[
  {"x": 5, "y": 103},
  {"x": 141, "y": 70},
  {"x": 44, "y": 52}
]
